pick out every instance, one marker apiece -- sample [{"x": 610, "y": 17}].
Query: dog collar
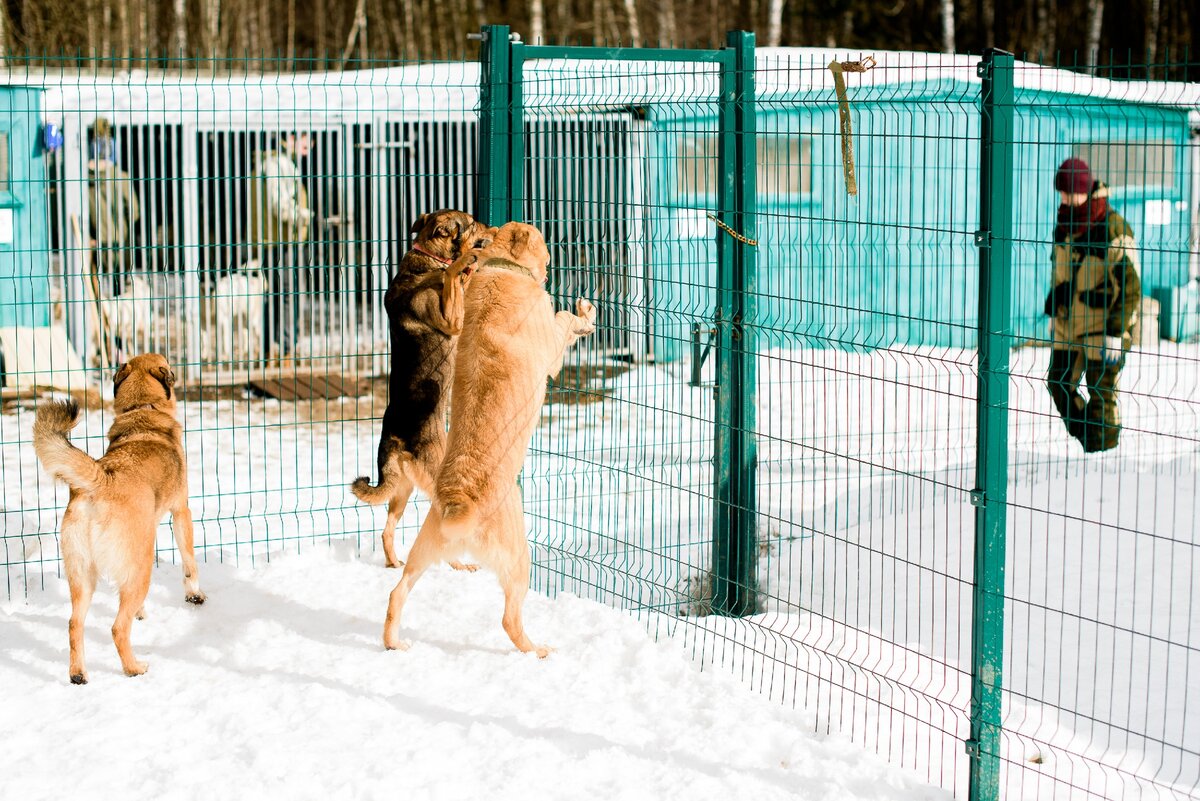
[{"x": 424, "y": 252}]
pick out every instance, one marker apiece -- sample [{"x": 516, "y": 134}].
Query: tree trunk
[
  {"x": 291, "y": 35},
  {"x": 320, "y": 43},
  {"x": 537, "y": 21},
  {"x": 212, "y": 22},
  {"x": 635, "y": 33},
  {"x": 774, "y": 23},
  {"x": 126, "y": 45},
  {"x": 358, "y": 33},
  {"x": 666, "y": 22},
  {"x": 181, "y": 28},
  {"x": 947, "y": 26},
  {"x": 986, "y": 11},
  {"x": 1095, "y": 23},
  {"x": 1152, "y": 23},
  {"x": 105, "y": 29}
]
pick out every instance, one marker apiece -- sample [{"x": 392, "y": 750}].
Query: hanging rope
[
  {"x": 751, "y": 242},
  {"x": 838, "y": 68}
]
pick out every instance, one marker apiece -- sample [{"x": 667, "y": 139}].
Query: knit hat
[{"x": 1073, "y": 177}]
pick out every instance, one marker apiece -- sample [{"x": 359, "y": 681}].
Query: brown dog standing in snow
[
  {"x": 511, "y": 342},
  {"x": 118, "y": 500}
]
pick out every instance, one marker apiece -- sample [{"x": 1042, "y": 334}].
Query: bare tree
[
  {"x": 291, "y": 34},
  {"x": 537, "y": 21},
  {"x": 666, "y": 21},
  {"x": 948, "y": 26},
  {"x": 1095, "y": 23},
  {"x": 774, "y": 22},
  {"x": 181, "y": 28},
  {"x": 212, "y": 21},
  {"x": 1153, "y": 17},
  {"x": 358, "y": 32},
  {"x": 635, "y": 33}
]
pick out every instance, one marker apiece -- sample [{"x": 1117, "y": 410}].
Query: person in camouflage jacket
[{"x": 1094, "y": 301}]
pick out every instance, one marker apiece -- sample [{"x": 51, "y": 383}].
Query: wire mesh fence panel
[
  {"x": 1102, "y": 635},
  {"x": 619, "y": 480},
  {"x": 245, "y": 224}
]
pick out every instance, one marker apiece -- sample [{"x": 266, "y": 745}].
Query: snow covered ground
[
  {"x": 278, "y": 687},
  {"x": 866, "y": 463}
]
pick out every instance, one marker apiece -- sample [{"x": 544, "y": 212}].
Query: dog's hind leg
[
  {"x": 425, "y": 551},
  {"x": 514, "y": 575},
  {"x": 133, "y": 595},
  {"x": 516, "y": 584},
  {"x": 184, "y": 535},
  {"x": 396, "y": 505},
  {"x": 82, "y": 580},
  {"x": 81, "y": 574}
]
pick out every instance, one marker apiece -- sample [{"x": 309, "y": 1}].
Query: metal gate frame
[{"x": 502, "y": 198}]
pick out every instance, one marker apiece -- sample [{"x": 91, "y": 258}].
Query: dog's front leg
[
  {"x": 568, "y": 328},
  {"x": 182, "y": 518}
]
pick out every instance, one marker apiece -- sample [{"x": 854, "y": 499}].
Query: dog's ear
[
  {"x": 166, "y": 377},
  {"x": 417, "y": 225},
  {"x": 122, "y": 373},
  {"x": 481, "y": 242},
  {"x": 520, "y": 242}
]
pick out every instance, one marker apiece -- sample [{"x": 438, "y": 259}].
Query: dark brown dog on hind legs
[
  {"x": 413, "y": 439},
  {"x": 511, "y": 341},
  {"x": 118, "y": 500}
]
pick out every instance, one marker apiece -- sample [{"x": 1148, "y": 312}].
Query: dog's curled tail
[
  {"x": 54, "y": 450},
  {"x": 389, "y": 480},
  {"x": 459, "y": 517}
]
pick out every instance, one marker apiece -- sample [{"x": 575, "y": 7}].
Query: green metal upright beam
[
  {"x": 516, "y": 133},
  {"x": 735, "y": 538},
  {"x": 495, "y": 137},
  {"x": 990, "y": 497}
]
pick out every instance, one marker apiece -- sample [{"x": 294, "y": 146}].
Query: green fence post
[
  {"x": 516, "y": 132},
  {"x": 493, "y": 200},
  {"x": 990, "y": 496},
  {"x": 735, "y": 539}
]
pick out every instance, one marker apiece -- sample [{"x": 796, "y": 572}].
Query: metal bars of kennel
[{"x": 502, "y": 197}]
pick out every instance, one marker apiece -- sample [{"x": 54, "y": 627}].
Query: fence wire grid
[{"x": 854, "y": 365}]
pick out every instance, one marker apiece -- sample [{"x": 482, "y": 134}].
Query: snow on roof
[{"x": 452, "y": 88}]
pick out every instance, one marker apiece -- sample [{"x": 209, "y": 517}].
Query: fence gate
[{"x": 532, "y": 95}]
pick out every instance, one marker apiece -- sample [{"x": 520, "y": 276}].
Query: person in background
[
  {"x": 1094, "y": 300},
  {"x": 280, "y": 219},
  {"x": 113, "y": 207}
]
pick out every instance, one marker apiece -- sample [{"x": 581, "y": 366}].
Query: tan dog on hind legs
[
  {"x": 118, "y": 500},
  {"x": 511, "y": 342}
]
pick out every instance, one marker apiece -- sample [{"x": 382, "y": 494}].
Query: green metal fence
[{"x": 812, "y": 439}]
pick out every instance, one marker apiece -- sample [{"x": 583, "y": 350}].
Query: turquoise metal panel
[{"x": 25, "y": 260}]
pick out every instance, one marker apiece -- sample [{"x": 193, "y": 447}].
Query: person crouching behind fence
[
  {"x": 279, "y": 223},
  {"x": 1093, "y": 302}
]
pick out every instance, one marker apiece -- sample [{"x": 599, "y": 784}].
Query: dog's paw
[
  {"x": 397, "y": 644},
  {"x": 79, "y": 678},
  {"x": 585, "y": 309},
  {"x": 196, "y": 597},
  {"x": 141, "y": 615},
  {"x": 467, "y": 566},
  {"x": 393, "y": 563},
  {"x": 136, "y": 669},
  {"x": 542, "y": 651}
]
